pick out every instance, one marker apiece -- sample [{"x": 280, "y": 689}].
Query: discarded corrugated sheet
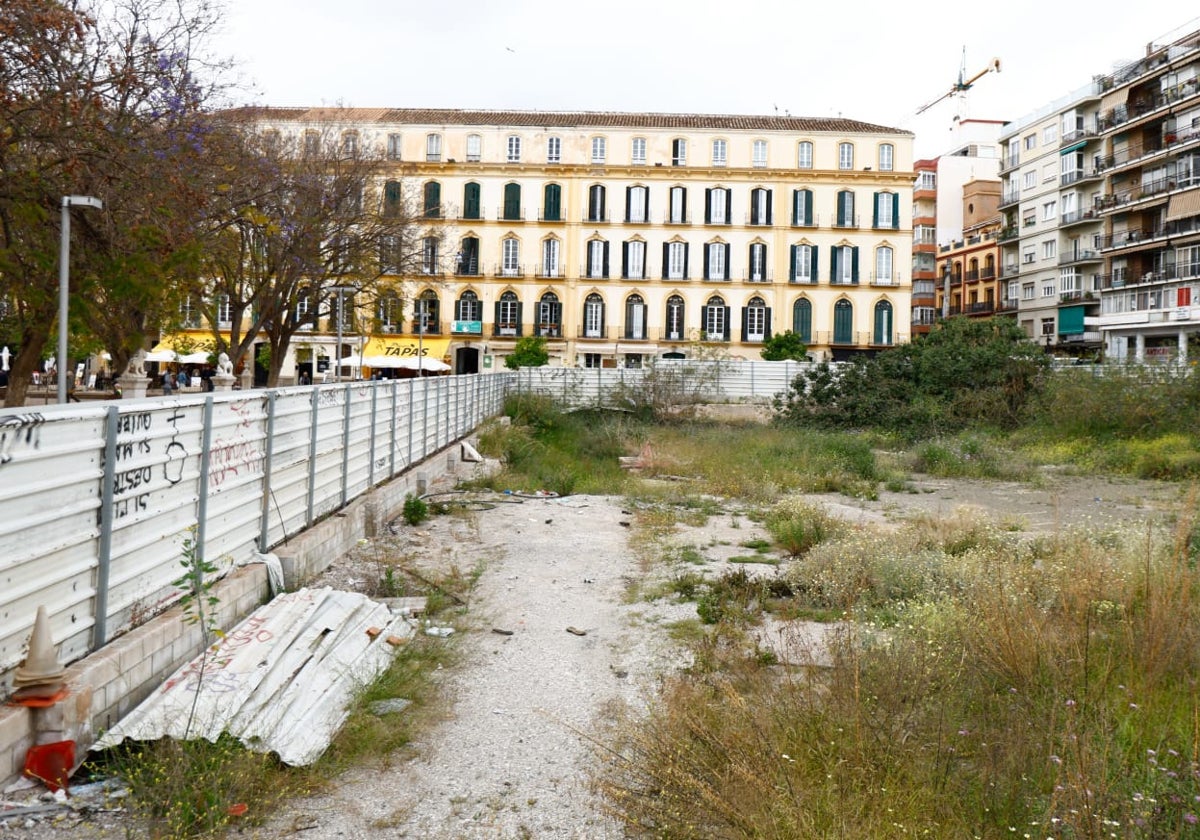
[{"x": 281, "y": 681}]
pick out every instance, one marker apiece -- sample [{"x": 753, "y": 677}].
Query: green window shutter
[
  {"x": 685, "y": 260},
  {"x": 745, "y": 324},
  {"x": 792, "y": 263},
  {"x": 625, "y": 259},
  {"x": 606, "y": 259},
  {"x": 552, "y": 202},
  {"x": 496, "y": 318},
  {"x": 471, "y": 201},
  {"x": 835, "y": 258},
  {"x": 666, "y": 259},
  {"x": 708, "y": 207},
  {"x": 520, "y": 318},
  {"x": 875, "y": 217},
  {"x": 854, "y": 264},
  {"x": 895, "y": 211},
  {"x": 433, "y": 199},
  {"x": 808, "y": 208},
  {"x": 813, "y": 270},
  {"x": 512, "y": 201},
  {"x": 707, "y": 269},
  {"x": 728, "y": 265},
  {"x": 769, "y": 206},
  {"x": 767, "y": 324}
]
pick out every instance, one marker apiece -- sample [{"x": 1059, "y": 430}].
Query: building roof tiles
[{"x": 565, "y": 119}]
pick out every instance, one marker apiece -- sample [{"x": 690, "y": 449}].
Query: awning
[
  {"x": 406, "y": 348},
  {"x": 1112, "y": 99},
  {"x": 1183, "y": 205},
  {"x": 1074, "y": 147}
]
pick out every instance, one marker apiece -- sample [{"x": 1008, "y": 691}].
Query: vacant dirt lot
[{"x": 515, "y": 752}]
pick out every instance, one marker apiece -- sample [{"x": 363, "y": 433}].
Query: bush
[{"x": 796, "y": 528}]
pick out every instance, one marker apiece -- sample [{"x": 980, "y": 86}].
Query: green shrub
[
  {"x": 416, "y": 510},
  {"x": 797, "y": 527}
]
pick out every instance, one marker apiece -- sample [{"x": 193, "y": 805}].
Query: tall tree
[
  {"x": 304, "y": 216},
  {"x": 103, "y": 98}
]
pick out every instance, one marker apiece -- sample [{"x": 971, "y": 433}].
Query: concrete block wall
[{"x": 108, "y": 684}]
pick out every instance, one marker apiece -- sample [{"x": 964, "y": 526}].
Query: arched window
[
  {"x": 549, "y": 323},
  {"x": 715, "y": 319},
  {"x": 635, "y": 317},
  {"x": 883, "y": 266},
  {"x": 883, "y": 323},
  {"x": 468, "y": 308},
  {"x": 675, "y": 319},
  {"x": 596, "y": 204},
  {"x": 508, "y": 315},
  {"x": 802, "y": 319},
  {"x": 593, "y": 316},
  {"x": 843, "y": 322},
  {"x": 756, "y": 320},
  {"x": 551, "y": 257}
]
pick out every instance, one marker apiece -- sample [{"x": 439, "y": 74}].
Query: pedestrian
[{"x": 167, "y": 383}]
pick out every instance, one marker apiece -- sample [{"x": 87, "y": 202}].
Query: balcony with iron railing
[
  {"x": 502, "y": 329},
  {"x": 633, "y": 333},
  {"x": 551, "y": 272},
  {"x": 676, "y": 219},
  {"x": 510, "y": 214},
  {"x": 508, "y": 270},
  {"x": 1008, "y": 305},
  {"x": 1008, "y": 233},
  {"x": 1076, "y": 296},
  {"x": 1010, "y": 270},
  {"x": 891, "y": 279},
  {"x": 594, "y": 272},
  {"x": 594, "y": 218},
  {"x": 846, "y": 222},
  {"x": 1077, "y": 134},
  {"x": 813, "y": 221},
  {"x": 1079, "y": 176},
  {"x": 1010, "y": 161},
  {"x": 757, "y": 277},
  {"x": 1010, "y": 196},
  {"x": 593, "y": 333}
]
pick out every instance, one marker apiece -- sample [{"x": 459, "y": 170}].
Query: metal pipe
[{"x": 266, "y": 482}]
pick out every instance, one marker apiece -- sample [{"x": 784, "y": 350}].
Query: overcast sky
[{"x": 872, "y": 61}]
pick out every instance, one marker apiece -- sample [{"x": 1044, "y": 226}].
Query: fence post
[
  {"x": 374, "y": 421},
  {"x": 392, "y": 450},
  {"x": 312, "y": 455},
  {"x": 205, "y": 463},
  {"x": 345, "y": 442},
  {"x": 267, "y": 465},
  {"x": 104, "y": 560},
  {"x": 424, "y": 418},
  {"x": 412, "y": 398}
]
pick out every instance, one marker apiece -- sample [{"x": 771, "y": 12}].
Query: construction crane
[{"x": 963, "y": 84}]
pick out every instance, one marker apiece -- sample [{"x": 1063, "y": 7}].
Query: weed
[
  {"x": 797, "y": 527},
  {"x": 416, "y": 510}
]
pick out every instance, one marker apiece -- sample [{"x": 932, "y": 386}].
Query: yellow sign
[{"x": 406, "y": 348}]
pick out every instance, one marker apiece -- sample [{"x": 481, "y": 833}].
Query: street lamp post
[
  {"x": 420, "y": 336},
  {"x": 337, "y": 376},
  {"x": 64, "y": 281}
]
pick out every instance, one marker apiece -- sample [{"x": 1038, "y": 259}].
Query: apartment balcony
[
  {"x": 673, "y": 219},
  {"x": 757, "y": 277},
  {"x": 592, "y": 273},
  {"x": 755, "y": 220},
  {"x": 552, "y": 331},
  {"x": 1077, "y": 217},
  {"x": 555, "y": 216},
  {"x": 1075, "y": 297},
  {"x": 630, "y": 333},
  {"x": 1157, "y": 187},
  {"x": 551, "y": 272},
  {"x": 813, "y": 221},
  {"x": 846, "y": 222},
  {"x": 1008, "y": 233},
  {"x": 1010, "y": 161},
  {"x": 1080, "y": 176},
  {"x": 1011, "y": 270},
  {"x": 803, "y": 281},
  {"x": 1121, "y": 239},
  {"x": 669, "y": 334},
  {"x": 1010, "y": 197},
  {"x": 467, "y": 268},
  {"x": 979, "y": 308},
  {"x": 502, "y": 270},
  {"x": 1007, "y": 305},
  {"x": 594, "y": 333},
  {"x": 892, "y": 279},
  {"x": 1082, "y": 255},
  {"x": 1071, "y": 137},
  {"x": 591, "y": 218},
  {"x": 833, "y": 281}
]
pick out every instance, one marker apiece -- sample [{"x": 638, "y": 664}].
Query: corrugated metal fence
[
  {"x": 671, "y": 381},
  {"x": 96, "y": 502}
]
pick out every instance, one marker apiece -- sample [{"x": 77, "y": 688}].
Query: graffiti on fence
[
  {"x": 131, "y": 482},
  {"x": 237, "y": 455},
  {"x": 18, "y": 432},
  {"x": 176, "y": 451}
]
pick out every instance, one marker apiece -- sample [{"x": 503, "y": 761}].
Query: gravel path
[{"x": 513, "y": 758}]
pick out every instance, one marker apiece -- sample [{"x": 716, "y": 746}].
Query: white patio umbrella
[
  {"x": 162, "y": 356},
  {"x": 198, "y": 358}
]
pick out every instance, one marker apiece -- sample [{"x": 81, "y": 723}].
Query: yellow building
[{"x": 621, "y": 237}]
